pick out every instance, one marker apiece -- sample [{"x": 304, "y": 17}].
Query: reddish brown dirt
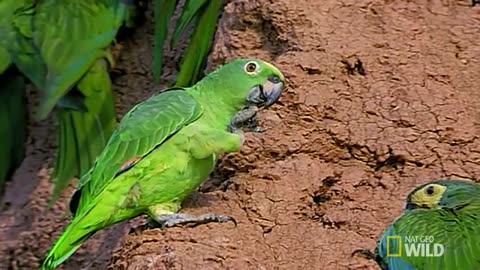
[{"x": 343, "y": 147}]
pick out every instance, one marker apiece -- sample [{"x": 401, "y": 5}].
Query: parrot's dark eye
[
  {"x": 251, "y": 67},
  {"x": 430, "y": 190}
]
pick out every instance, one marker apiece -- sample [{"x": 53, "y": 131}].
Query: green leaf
[
  {"x": 189, "y": 12},
  {"x": 163, "y": 11},
  {"x": 199, "y": 46}
]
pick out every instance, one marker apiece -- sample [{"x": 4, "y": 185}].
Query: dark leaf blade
[
  {"x": 190, "y": 11},
  {"x": 199, "y": 46},
  {"x": 13, "y": 123}
]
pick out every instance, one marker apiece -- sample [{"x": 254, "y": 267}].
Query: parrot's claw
[
  {"x": 252, "y": 125},
  {"x": 474, "y": 2},
  {"x": 256, "y": 129},
  {"x": 172, "y": 220},
  {"x": 365, "y": 252},
  {"x": 245, "y": 118}
]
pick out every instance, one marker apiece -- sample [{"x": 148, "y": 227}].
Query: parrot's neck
[{"x": 217, "y": 111}]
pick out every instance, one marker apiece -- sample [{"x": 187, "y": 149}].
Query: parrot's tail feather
[
  {"x": 69, "y": 241},
  {"x": 51, "y": 262}
]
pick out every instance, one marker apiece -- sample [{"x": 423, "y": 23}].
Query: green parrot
[
  {"x": 62, "y": 46},
  {"x": 441, "y": 217},
  {"x": 164, "y": 148}
]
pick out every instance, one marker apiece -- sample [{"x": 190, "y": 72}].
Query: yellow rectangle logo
[{"x": 397, "y": 239}]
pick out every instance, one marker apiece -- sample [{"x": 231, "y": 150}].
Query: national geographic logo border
[{"x": 399, "y": 245}]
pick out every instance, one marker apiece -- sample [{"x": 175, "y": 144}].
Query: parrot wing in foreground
[
  {"x": 71, "y": 36},
  {"x": 72, "y": 40},
  {"x": 84, "y": 132},
  {"x": 163, "y": 149}
]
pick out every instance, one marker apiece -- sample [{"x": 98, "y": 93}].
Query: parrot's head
[
  {"x": 243, "y": 82},
  {"x": 450, "y": 194}
]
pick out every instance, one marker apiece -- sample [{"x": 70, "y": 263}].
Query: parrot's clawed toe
[
  {"x": 364, "y": 252},
  {"x": 246, "y": 118},
  {"x": 474, "y": 2},
  {"x": 141, "y": 228},
  {"x": 252, "y": 125},
  {"x": 257, "y": 129},
  {"x": 173, "y": 220}
]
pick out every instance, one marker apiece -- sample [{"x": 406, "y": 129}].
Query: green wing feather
[
  {"x": 24, "y": 54},
  {"x": 6, "y": 33},
  {"x": 142, "y": 129},
  {"x": 457, "y": 230}
]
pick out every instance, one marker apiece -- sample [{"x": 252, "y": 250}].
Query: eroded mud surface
[{"x": 383, "y": 95}]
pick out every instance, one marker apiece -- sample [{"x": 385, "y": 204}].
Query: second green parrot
[
  {"x": 438, "y": 229},
  {"x": 164, "y": 148}
]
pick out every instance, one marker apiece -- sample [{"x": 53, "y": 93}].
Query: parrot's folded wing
[{"x": 142, "y": 129}]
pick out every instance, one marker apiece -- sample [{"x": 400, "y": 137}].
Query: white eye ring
[{"x": 251, "y": 67}]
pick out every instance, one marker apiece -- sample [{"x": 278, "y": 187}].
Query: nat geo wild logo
[{"x": 413, "y": 246}]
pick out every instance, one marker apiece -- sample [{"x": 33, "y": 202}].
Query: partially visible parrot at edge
[
  {"x": 62, "y": 46},
  {"x": 447, "y": 211},
  {"x": 164, "y": 148}
]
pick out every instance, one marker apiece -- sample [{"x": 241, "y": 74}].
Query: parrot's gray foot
[
  {"x": 246, "y": 118},
  {"x": 364, "y": 252},
  {"x": 172, "y": 220}
]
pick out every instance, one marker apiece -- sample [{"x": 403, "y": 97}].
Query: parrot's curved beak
[
  {"x": 411, "y": 206},
  {"x": 272, "y": 89},
  {"x": 267, "y": 93}
]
